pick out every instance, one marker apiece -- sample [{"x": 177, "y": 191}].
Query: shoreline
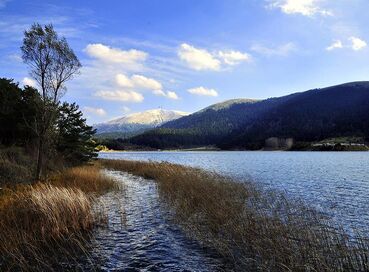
[
  {"x": 247, "y": 225},
  {"x": 213, "y": 210},
  {"x": 226, "y": 150}
]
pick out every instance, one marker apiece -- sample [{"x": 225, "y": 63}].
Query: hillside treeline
[{"x": 311, "y": 116}]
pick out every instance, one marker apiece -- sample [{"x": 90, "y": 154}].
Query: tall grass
[
  {"x": 89, "y": 178},
  {"x": 255, "y": 229},
  {"x": 44, "y": 223}
]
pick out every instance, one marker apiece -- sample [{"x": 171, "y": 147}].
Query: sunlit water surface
[
  {"x": 335, "y": 182},
  {"x": 141, "y": 235}
]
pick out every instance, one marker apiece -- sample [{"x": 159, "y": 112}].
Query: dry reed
[
  {"x": 89, "y": 178},
  {"x": 255, "y": 229},
  {"x": 44, "y": 223}
]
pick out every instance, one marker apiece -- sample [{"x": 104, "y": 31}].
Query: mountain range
[
  {"x": 305, "y": 117},
  {"x": 136, "y": 123}
]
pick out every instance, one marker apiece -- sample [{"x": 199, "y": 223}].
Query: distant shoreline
[{"x": 232, "y": 150}]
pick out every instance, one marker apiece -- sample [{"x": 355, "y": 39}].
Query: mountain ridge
[
  {"x": 138, "y": 122},
  {"x": 313, "y": 115}
]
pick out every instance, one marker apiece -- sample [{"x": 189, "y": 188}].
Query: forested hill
[{"x": 313, "y": 115}]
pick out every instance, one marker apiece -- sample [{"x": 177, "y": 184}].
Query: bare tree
[{"x": 52, "y": 63}]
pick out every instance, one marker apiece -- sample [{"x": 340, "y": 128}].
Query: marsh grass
[
  {"x": 256, "y": 230},
  {"x": 89, "y": 178},
  {"x": 49, "y": 223}
]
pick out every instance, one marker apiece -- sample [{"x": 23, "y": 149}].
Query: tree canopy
[{"x": 52, "y": 63}]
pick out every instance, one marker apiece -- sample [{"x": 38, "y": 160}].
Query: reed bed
[
  {"x": 89, "y": 178},
  {"x": 49, "y": 223},
  {"x": 256, "y": 230}
]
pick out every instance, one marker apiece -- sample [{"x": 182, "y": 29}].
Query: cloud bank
[
  {"x": 114, "y": 55},
  {"x": 201, "y": 59}
]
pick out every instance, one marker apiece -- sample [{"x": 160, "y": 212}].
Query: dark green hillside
[
  {"x": 208, "y": 126},
  {"x": 309, "y": 116}
]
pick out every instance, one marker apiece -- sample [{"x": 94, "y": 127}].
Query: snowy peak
[
  {"x": 150, "y": 117},
  {"x": 139, "y": 122}
]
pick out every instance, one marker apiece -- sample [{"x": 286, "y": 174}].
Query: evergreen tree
[
  {"x": 10, "y": 100},
  {"x": 18, "y": 113},
  {"x": 75, "y": 142}
]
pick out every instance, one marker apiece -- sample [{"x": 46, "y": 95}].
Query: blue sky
[{"x": 186, "y": 54}]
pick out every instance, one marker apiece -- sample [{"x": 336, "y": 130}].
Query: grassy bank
[
  {"x": 44, "y": 223},
  {"x": 254, "y": 229}
]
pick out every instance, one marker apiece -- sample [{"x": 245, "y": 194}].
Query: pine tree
[{"x": 75, "y": 142}]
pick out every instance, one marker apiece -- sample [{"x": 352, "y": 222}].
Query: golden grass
[
  {"x": 88, "y": 178},
  {"x": 254, "y": 229},
  {"x": 45, "y": 222}
]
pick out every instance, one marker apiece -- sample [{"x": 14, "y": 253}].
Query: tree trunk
[{"x": 40, "y": 156}]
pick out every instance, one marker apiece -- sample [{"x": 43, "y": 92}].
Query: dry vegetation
[
  {"x": 88, "y": 178},
  {"x": 254, "y": 229},
  {"x": 43, "y": 223}
]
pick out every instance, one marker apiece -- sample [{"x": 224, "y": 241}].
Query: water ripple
[
  {"x": 337, "y": 183},
  {"x": 141, "y": 237}
]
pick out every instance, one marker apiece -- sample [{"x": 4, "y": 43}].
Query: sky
[{"x": 187, "y": 54}]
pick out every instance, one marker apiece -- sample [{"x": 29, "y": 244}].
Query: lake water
[
  {"x": 141, "y": 235},
  {"x": 337, "y": 183}
]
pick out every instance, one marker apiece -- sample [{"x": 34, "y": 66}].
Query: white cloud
[
  {"x": 123, "y": 81},
  {"x": 234, "y": 57},
  {"x": 201, "y": 59},
  {"x": 335, "y": 45},
  {"x": 303, "y": 7},
  {"x": 172, "y": 95},
  {"x": 29, "y": 82},
  {"x": 115, "y": 55},
  {"x": 121, "y": 95},
  {"x": 198, "y": 59},
  {"x": 167, "y": 94},
  {"x": 138, "y": 81},
  {"x": 357, "y": 43},
  {"x": 159, "y": 92},
  {"x": 282, "y": 50},
  {"x": 203, "y": 91},
  {"x": 95, "y": 111},
  {"x": 143, "y": 82}
]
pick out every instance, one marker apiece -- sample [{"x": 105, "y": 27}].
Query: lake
[
  {"x": 141, "y": 235},
  {"x": 336, "y": 183}
]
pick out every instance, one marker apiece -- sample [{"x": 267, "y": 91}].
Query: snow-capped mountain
[{"x": 139, "y": 122}]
